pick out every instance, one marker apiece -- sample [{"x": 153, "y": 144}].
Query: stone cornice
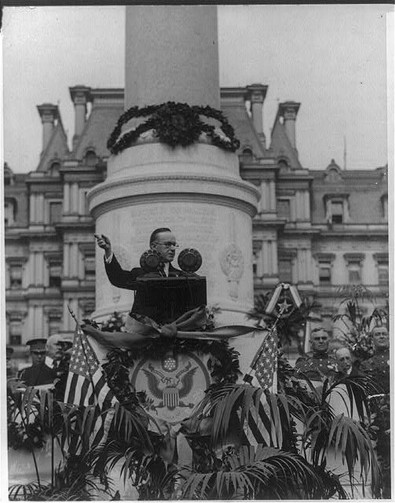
[
  {"x": 179, "y": 198},
  {"x": 173, "y": 187},
  {"x": 353, "y": 257},
  {"x": 16, "y": 260}
]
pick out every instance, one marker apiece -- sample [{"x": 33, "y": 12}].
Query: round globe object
[{"x": 189, "y": 260}]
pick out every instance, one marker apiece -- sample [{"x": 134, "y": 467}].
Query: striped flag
[
  {"x": 258, "y": 428},
  {"x": 266, "y": 363},
  {"x": 86, "y": 385}
]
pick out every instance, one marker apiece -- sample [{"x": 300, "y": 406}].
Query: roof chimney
[
  {"x": 289, "y": 110},
  {"x": 256, "y": 94},
  {"x": 48, "y": 114},
  {"x": 80, "y": 96}
]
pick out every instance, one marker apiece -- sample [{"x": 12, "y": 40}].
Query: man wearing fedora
[{"x": 39, "y": 373}]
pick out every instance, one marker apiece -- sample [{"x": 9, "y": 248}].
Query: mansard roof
[
  {"x": 233, "y": 107},
  {"x": 281, "y": 146},
  {"x": 107, "y": 107}
]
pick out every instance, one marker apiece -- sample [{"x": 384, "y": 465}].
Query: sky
[{"x": 330, "y": 58}]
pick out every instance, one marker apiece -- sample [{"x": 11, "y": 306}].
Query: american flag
[
  {"x": 86, "y": 384},
  {"x": 266, "y": 363},
  {"x": 258, "y": 428}
]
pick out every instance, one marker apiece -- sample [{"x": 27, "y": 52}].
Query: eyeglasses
[
  {"x": 320, "y": 338},
  {"x": 168, "y": 244},
  {"x": 39, "y": 353}
]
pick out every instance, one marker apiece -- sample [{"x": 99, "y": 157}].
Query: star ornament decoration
[{"x": 284, "y": 301}]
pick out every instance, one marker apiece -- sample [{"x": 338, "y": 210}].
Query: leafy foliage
[
  {"x": 175, "y": 124},
  {"x": 357, "y": 326}
]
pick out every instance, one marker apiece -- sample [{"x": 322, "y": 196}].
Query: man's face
[
  {"x": 38, "y": 357},
  {"x": 165, "y": 244},
  {"x": 320, "y": 341},
  {"x": 344, "y": 361},
  {"x": 380, "y": 338}
]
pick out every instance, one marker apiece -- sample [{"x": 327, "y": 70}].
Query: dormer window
[
  {"x": 54, "y": 169},
  {"x": 91, "y": 158},
  {"x": 336, "y": 208},
  {"x": 247, "y": 155},
  {"x": 337, "y": 212},
  {"x": 283, "y": 164}
]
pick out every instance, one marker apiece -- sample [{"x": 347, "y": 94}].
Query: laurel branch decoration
[{"x": 175, "y": 124}]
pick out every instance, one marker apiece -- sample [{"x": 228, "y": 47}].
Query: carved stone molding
[{"x": 232, "y": 265}]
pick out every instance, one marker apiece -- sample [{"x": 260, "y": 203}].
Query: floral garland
[
  {"x": 223, "y": 363},
  {"x": 176, "y": 124}
]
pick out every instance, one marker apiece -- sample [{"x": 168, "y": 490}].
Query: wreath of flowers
[{"x": 176, "y": 124}]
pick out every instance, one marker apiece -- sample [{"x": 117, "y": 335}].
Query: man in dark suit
[
  {"x": 345, "y": 365},
  {"x": 39, "y": 373},
  {"x": 162, "y": 241}
]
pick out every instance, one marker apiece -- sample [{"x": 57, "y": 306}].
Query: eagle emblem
[
  {"x": 173, "y": 385},
  {"x": 170, "y": 389}
]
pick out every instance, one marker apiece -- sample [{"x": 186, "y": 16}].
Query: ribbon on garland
[{"x": 142, "y": 330}]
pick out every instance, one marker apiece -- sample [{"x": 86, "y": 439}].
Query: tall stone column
[
  {"x": 171, "y": 54},
  {"x": 197, "y": 191}
]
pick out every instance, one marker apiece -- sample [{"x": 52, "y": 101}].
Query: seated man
[
  {"x": 317, "y": 363},
  {"x": 39, "y": 373},
  {"x": 162, "y": 241},
  {"x": 377, "y": 367}
]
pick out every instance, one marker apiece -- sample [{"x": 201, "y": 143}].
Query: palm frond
[
  {"x": 251, "y": 473},
  {"x": 18, "y": 492},
  {"x": 348, "y": 437}
]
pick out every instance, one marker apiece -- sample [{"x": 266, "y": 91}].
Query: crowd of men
[
  {"x": 49, "y": 365},
  {"x": 340, "y": 362},
  {"x": 50, "y": 361}
]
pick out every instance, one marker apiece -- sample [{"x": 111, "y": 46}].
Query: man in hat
[{"x": 39, "y": 373}]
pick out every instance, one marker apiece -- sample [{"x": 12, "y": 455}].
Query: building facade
[{"x": 319, "y": 229}]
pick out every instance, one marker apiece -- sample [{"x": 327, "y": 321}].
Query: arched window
[
  {"x": 282, "y": 163},
  {"x": 246, "y": 155},
  {"x": 90, "y": 158},
  {"x": 55, "y": 168}
]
